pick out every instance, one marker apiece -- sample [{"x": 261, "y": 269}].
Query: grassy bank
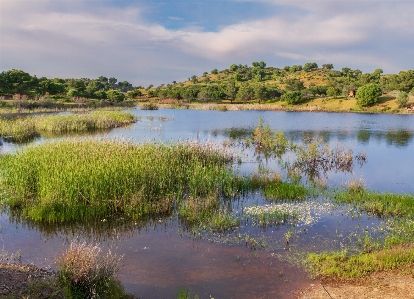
[
  {"x": 22, "y": 129},
  {"x": 78, "y": 179},
  {"x": 395, "y": 251}
]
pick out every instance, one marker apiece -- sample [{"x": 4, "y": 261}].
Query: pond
[{"x": 161, "y": 256}]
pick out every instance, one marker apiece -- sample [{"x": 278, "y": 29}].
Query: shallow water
[{"x": 161, "y": 256}]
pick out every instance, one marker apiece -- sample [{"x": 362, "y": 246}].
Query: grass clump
[
  {"x": 18, "y": 130},
  {"x": 341, "y": 265},
  {"x": 23, "y": 129},
  {"x": 80, "y": 179},
  {"x": 205, "y": 212},
  {"x": 149, "y": 106},
  {"x": 83, "y": 122},
  {"x": 84, "y": 272},
  {"x": 381, "y": 204}
]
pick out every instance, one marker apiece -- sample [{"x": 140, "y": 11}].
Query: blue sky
[{"x": 153, "y": 42}]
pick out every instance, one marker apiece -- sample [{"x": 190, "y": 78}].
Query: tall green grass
[
  {"x": 381, "y": 204},
  {"x": 22, "y": 129},
  {"x": 77, "y": 179},
  {"x": 342, "y": 265}
]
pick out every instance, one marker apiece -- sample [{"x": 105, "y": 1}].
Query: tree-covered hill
[{"x": 239, "y": 83}]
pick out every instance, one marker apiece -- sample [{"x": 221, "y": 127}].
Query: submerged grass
[
  {"x": 76, "y": 179},
  {"x": 23, "y": 129}
]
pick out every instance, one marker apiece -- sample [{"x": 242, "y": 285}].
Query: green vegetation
[
  {"x": 339, "y": 264},
  {"x": 23, "y": 129},
  {"x": 149, "y": 106},
  {"x": 80, "y": 179},
  {"x": 381, "y": 204},
  {"x": 304, "y": 87},
  {"x": 185, "y": 294},
  {"x": 368, "y": 95},
  {"x": 402, "y": 99}
]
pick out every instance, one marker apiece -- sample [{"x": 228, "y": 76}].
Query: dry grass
[{"x": 84, "y": 272}]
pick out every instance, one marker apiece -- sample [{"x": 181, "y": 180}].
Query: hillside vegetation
[{"x": 291, "y": 87}]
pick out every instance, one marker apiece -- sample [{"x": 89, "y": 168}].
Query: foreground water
[{"x": 162, "y": 256}]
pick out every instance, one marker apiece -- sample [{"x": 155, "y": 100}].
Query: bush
[
  {"x": 292, "y": 97},
  {"x": 402, "y": 99},
  {"x": 83, "y": 272},
  {"x": 149, "y": 106},
  {"x": 115, "y": 95},
  {"x": 368, "y": 94}
]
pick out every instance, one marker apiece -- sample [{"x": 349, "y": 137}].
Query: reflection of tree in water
[
  {"x": 363, "y": 136},
  {"x": 399, "y": 138},
  {"x": 114, "y": 228}
]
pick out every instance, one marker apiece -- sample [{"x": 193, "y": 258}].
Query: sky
[{"x": 154, "y": 42}]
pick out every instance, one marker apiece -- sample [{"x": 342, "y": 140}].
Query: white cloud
[{"x": 87, "y": 38}]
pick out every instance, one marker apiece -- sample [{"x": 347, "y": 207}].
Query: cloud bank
[{"x": 59, "y": 38}]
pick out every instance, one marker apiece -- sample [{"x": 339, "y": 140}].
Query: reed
[
  {"x": 23, "y": 129},
  {"x": 75, "y": 179}
]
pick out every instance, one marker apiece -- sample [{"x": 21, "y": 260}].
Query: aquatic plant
[
  {"x": 23, "y": 129},
  {"x": 84, "y": 272},
  {"x": 381, "y": 204},
  {"x": 75, "y": 179}
]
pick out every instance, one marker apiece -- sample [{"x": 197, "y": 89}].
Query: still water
[{"x": 160, "y": 256}]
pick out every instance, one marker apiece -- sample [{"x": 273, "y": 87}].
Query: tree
[
  {"x": 402, "y": 99},
  {"x": 295, "y": 68},
  {"x": 368, "y": 94},
  {"x": 310, "y": 66},
  {"x": 294, "y": 84},
  {"x": 231, "y": 90},
  {"x": 332, "y": 92},
  {"x": 327, "y": 66},
  {"x": 292, "y": 97},
  {"x": 260, "y": 92},
  {"x": 72, "y": 93},
  {"x": 233, "y": 67},
  {"x": 100, "y": 94},
  {"x": 115, "y": 95},
  {"x": 245, "y": 93},
  {"x": 112, "y": 80},
  {"x": 214, "y": 72},
  {"x": 194, "y": 79},
  {"x": 134, "y": 93}
]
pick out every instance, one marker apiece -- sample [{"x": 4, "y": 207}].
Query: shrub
[
  {"x": 292, "y": 97},
  {"x": 402, "y": 99},
  {"x": 149, "y": 106},
  {"x": 368, "y": 94},
  {"x": 83, "y": 272}
]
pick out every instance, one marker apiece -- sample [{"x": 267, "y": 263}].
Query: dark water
[{"x": 161, "y": 256}]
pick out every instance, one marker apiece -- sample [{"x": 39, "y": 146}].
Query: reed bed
[
  {"x": 22, "y": 129},
  {"x": 17, "y": 130},
  {"x": 75, "y": 179}
]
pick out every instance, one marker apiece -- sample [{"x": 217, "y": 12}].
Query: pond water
[{"x": 161, "y": 256}]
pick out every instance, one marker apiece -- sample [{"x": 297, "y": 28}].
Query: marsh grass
[
  {"x": 342, "y": 265},
  {"x": 24, "y": 129},
  {"x": 84, "y": 272},
  {"x": 207, "y": 213},
  {"x": 79, "y": 179},
  {"x": 380, "y": 204}
]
